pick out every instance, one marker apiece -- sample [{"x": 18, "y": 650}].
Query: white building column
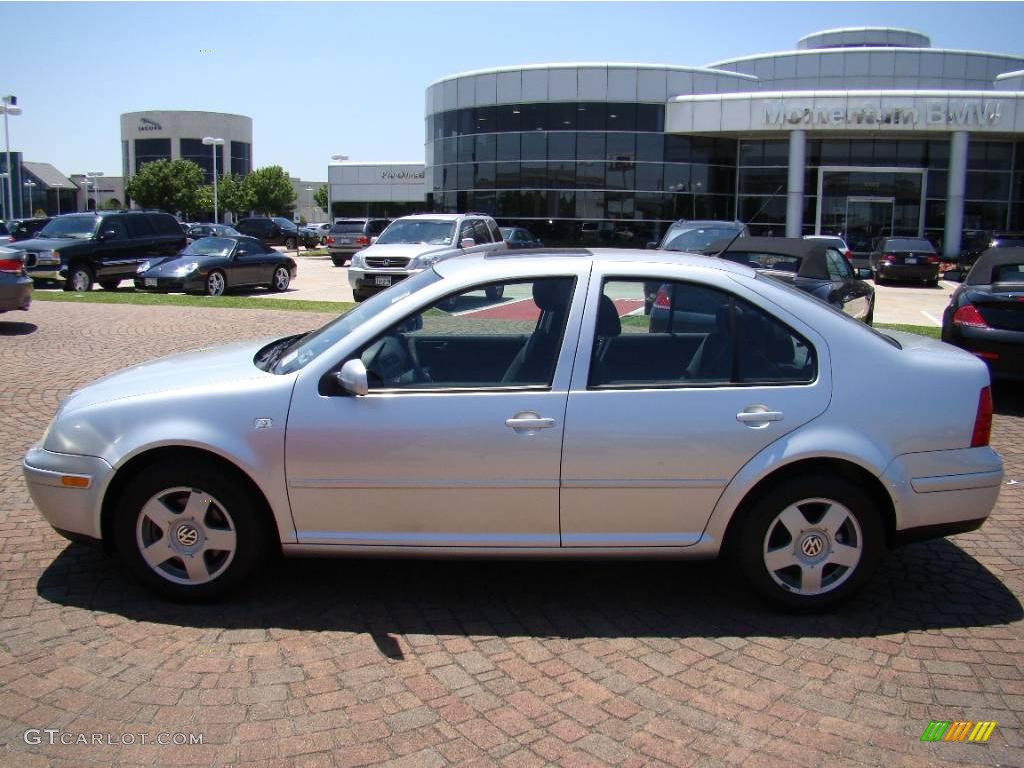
[
  {"x": 957, "y": 182},
  {"x": 795, "y": 189}
]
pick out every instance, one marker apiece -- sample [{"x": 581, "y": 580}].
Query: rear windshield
[
  {"x": 1008, "y": 273},
  {"x": 348, "y": 227},
  {"x": 696, "y": 240},
  {"x": 909, "y": 244}
]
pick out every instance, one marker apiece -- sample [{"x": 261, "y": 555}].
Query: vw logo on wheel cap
[
  {"x": 187, "y": 535},
  {"x": 812, "y": 546}
]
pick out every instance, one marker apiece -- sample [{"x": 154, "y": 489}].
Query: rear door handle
[
  {"x": 757, "y": 416},
  {"x": 529, "y": 422}
]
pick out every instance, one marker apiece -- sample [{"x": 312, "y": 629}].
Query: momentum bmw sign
[{"x": 967, "y": 114}]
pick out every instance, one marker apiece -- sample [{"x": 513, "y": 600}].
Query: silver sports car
[{"x": 444, "y": 417}]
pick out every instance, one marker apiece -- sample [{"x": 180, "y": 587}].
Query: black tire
[
  {"x": 216, "y": 283},
  {"x": 280, "y": 280},
  {"x": 224, "y": 508},
  {"x": 338, "y": 261},
  {"x": 762, "y": 531},
  {"x": 359, "y": 296},
  {"x": 79, "y": 278},
  {"x": 495, "y": 291},
  {"x": 289, "y": 244},
  {"x": 870, "y": 319},
  {"x": 109, "y": 285}
]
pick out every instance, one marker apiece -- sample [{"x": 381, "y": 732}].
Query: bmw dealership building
[{"x": 863, "y": 132}]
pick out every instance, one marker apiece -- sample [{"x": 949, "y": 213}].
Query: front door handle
[
  {"x": 758, "y": 416},
  {"x": 528, "y": 422}
]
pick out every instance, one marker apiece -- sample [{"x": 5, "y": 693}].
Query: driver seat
[{"x": 535, "y": 362}]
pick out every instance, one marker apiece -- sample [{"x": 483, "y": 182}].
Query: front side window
[
  {"x": 426, "y": 231},
  {"x": 504, "y": 334},
  {"x": 695, "y": 335}
]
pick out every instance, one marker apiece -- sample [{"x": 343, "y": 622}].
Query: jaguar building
[
  {"x": 179, "y": 134},
  {"x": 861, "y": 132}
]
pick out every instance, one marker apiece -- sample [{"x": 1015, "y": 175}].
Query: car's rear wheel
[
  {"x": 215, "y": 283},
  {"x": 289, "y": 244},
  {"x": 495, "y": 291},
  {"x": 810, "y": 543},
  {"x": 338, "y": 261},
  {"x": 189, "y": 532},
  {"x": 282, "y": 277},
  {"x": 79, "y": 279}
]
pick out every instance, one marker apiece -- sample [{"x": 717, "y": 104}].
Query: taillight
[
  {"x": 983, "y": 421},
  {"x": 12, "y": 266},
  {"x": 362, "y": 240},
  {"x": 330, "y": 240},
  {"x": 888, "y": 257},
  {"x": 969, "y": 316},
  {"x": 933, "y": 259},
  {"x": 848, "y": 255},
  {"x": 662, "y": 299}
]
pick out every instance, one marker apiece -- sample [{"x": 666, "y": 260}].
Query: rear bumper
[
  {"x": 937, "y": 491},
  {"x": 1001, "y": 349},
  {"x": 908, "y": 271},
  {"x": 15, "y": 293}
]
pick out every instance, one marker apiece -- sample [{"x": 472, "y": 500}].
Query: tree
[
  {"x": 271, "y": 189},
  {"x": 169, "y": 185},
  {"x": 320, "y": 197},
  {"x": 201, "y": 202},
  {"x": 111, "y": 204},
  {"x": 233, "y": 195}
]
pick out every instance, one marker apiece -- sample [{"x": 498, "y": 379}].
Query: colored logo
[{"x": 958, "y": 730}]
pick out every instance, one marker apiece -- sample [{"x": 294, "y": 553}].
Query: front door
[
  {"x": 458, "y": 441},
  {"x": 675, "y": 403},
  {"x": 867, "y": 218}
]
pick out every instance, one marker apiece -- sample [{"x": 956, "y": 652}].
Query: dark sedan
[
  {"x": 15, "y": 285},
  {"x": 905, "y": 258},
  {"x": 812, "y": 266},
  {"x": 517, "y": 237},
  {"x": 985, "y": 315},
  {"x": 197, "y": 231},
  {"x": 212, "y": 265}
]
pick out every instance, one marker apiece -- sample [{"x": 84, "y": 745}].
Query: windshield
[
  {"x": 696, "y": 240},
  {"x": 418, "y": 231},
  {"x": 210, "y": 246},
  {"x": 309, "y": 347},
  {"x": 76, "y": 227}
]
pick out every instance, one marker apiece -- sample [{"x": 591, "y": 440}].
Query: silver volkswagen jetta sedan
[{"x": 550, "y": 418}]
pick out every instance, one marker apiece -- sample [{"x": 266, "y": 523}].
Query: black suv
[
  {"x": 108, "y": 247},
  {"x": 277, "y": 230}
]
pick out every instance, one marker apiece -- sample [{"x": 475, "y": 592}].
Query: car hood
[
  {"x": 402, "y": 250},
  {"x": 204, "y": 368},
  {"x": 46, "y": 243},
  {"x": 166, "y": 268}
]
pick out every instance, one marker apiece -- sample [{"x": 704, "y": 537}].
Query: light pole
[
  {"x": 29, "y": 185},
  {"x": 93, "y": 175},
  {"x": 210, "y": 141},
  {"x": 330, "y": 205},
  {"x": 9, "y": 107},
  {"x": 3, "y": 200},
  {"x": 59, "y": 188}
]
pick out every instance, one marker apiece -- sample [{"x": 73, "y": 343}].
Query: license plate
[
  {"x": 384, "y": 280},
  {"x": 151, "y": 282},
  {"x": 911, "y": 260},
  {"x": 345, "y": 240}
]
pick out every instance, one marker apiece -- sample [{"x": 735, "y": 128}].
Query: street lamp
[
  {"x": 59, "y": 187},
  {"x": 3, "y": 201},
  {"x": 330, "y": 205},
  {"x": 210, "y": 141},
  {"x": 29, "y": 185},
  {"x": 95, "y": 189},
  {"x": 9, "y": 106}
]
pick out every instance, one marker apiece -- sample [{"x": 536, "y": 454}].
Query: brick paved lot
[{"x": 519, "y": 664}]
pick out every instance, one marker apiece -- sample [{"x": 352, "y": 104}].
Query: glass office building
[{"x": 864, "y": 132}]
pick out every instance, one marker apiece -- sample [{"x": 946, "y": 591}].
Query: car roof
[{"x": 442, "y": 216}]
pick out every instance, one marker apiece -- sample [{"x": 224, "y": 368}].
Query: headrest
[
  {"x": 608, "y": 323},
  {"x": 552, "y": 293}
]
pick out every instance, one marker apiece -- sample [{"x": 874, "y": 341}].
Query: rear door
[
  {"x": 144, "y": 238},
  {"x": 659, "y": 421}
]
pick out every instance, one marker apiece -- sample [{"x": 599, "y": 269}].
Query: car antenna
[{"x": 749, "y": 221}]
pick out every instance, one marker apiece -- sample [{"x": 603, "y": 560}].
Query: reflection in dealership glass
[
  {"x": 418, "y": 231},
  {"x": 294, "y": 356}
]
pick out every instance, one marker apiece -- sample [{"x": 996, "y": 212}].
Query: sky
[{"x": 350, "y": 78}]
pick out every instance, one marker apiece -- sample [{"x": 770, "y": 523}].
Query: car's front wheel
[
  {"x": 282, "y": 277},
  {"x": 189, "y": 532},
  {"x": 809, "y": 543},
  {"x": 79, "y": 279},
  {"x": 289, "y": 245},
  {"x": 495, "y": 291},
  {"x": 215, "y": 283}
]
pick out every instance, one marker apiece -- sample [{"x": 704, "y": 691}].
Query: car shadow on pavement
[
  {"x": 922, "y": 586},
  {"x": 17, "y": 329}
]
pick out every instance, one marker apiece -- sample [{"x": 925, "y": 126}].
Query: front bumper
[
  {"x": 367, "y": 281},
  {"x": 15, "y": 294},
  {"x": 943, "y": 490},
  {"x": 186, "y": 284},
  {"x": 47, "y": 272},
  {"x": 67, "y": 489}
]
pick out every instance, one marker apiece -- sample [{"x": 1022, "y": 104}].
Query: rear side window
[
  {"x": 139, "y": 226},
  {"x": 480, "y": 232},
  {"x": 775, "y": 261},
  {"x": 692, "y": 335}
]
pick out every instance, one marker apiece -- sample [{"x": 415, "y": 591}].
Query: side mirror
[
  {"x": 954, "y": 275},
  {"x": 864, "y": 273},
  {"x": 240, "y": 253},
  {"x": 467, "y": 242},
  {"x": 651, "y": 246},
  {"x": 352, "y": 377},
  {"x": 108, "y": 234}
]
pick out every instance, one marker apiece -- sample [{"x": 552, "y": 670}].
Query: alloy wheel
[
  {"x": 215, "y": 284},
  {"x": 281, "y": 279}
]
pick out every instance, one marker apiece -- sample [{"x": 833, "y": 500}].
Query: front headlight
[
  {"x": 186, "y": 269},
  {"x": 358, "y": 260},
  {"x": 144, "y": 266},
  {"x": 422, "y": 262}
]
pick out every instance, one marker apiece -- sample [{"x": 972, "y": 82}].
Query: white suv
[{"x": 414, "y": 243}]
